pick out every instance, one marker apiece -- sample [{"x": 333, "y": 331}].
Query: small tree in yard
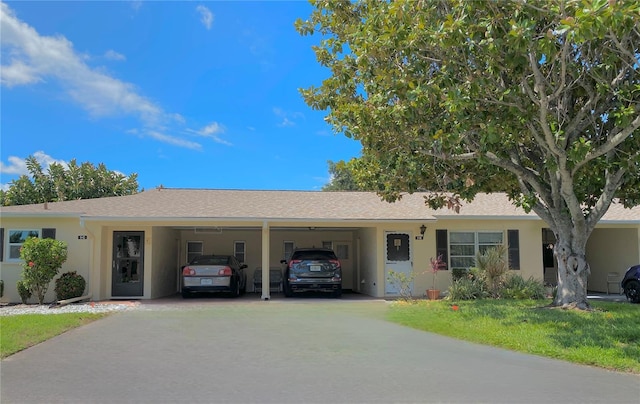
[{"x": 42, "y": 260}]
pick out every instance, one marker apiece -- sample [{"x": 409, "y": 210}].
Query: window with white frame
[
  {"x": 327, "y": 244},
  {"x": 463, "y": 246},
  {"x": 194, "y": 248},
  {"x": 16, "y": 239},
  {"x": 240, "y": 250},
  {"x": 288, "y": 250}
]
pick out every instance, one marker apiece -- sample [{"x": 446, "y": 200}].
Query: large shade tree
[
  {"x": 70, "y": 182},
  {"x": 450, "y": 95}
]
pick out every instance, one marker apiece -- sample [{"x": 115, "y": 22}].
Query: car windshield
[
  {"x": 210, "y": 260},
  {"x": 314, "y": 255}
]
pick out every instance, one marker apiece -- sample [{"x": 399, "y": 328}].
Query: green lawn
[
  {"x": 22, "y": 331},
  {"x": 607, "y": 337}
]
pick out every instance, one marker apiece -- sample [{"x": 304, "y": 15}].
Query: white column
[{"x": 266, "y": 290}]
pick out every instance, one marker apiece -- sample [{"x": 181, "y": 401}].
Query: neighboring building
[{"x": 132, "y": 247}]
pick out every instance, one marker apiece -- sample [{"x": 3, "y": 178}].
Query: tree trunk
[{"x": 573, "y": 271}]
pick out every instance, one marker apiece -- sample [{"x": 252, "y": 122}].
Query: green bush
[
  {"x": 467, "y": 289},
  {"x": 42, "y": 260},
  {"x": 458, "y": 273},
  {"x": 23, "y": 291},
  {"x": 69, "y": 285},
  {"x": 516, "y": 287},
  {"x": 403, "y": 282}
]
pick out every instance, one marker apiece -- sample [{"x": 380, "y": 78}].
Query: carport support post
[{"x": 266, "y": 290}]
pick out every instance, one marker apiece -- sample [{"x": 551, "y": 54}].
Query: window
[
  {"x": 239, "y": 250},
  {"x": 194, "y": 248},
  {"x": 327, "y": 244},
  {"x": 16, "y": 239},
  {"x": 288, "y": 250},
  {"x": 463, "y": 246}
]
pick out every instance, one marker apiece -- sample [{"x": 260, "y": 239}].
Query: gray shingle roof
[{"x": 179, "y": 203}]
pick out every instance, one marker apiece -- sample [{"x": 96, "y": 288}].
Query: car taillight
[
  {"x": 293, "y": 262},
  {"x": 188, "y": 271},
  {"x": 226, "y": 271},
  {"x": 335, "y": 263}
]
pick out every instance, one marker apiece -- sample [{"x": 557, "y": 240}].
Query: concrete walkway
[{"x": 287, "y": 351}]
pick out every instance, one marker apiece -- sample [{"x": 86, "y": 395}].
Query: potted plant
[{"x": 436, "y": 265}]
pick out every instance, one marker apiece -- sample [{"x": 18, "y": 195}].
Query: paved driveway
[{"x": 288, "y": 351}]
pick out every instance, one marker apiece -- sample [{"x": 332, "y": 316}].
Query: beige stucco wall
[
  {"x": 67, "y": 230},
  {"x": 164, "y": 266},
  {"x": 368, "y": 261},
  {"x": 613, "y": 249}
]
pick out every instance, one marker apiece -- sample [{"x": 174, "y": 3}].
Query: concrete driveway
[{"x": 287, "y": 351}]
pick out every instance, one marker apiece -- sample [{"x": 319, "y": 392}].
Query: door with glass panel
[{"x": 127, "y": 278}]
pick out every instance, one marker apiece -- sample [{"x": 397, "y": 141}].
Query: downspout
[{"x": 93, "y": 240}]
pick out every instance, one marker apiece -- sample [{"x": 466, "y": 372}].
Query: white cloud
[
  {"x": 288, "y": 118},
  {"x": 113, "y": 55},
  {"x": 206, "y": 16},
  {"x": 17, "y": 165},
  {"x": 35, "y": 58},
  {"x": 176, "y": 141},
  {"x": 211, "y": 131}
]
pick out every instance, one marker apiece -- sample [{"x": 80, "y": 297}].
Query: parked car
[
  {"x": 313, "y": 269},
  {"x": 631, "y": 284},
  {"x": 214, "y": 273}
]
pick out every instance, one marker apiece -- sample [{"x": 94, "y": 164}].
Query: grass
[
  {"x": 608, "y": 337},
  {"x": 23, "y": 331}
]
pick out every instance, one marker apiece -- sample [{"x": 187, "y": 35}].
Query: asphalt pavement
[{"x": 288, "y": 351}]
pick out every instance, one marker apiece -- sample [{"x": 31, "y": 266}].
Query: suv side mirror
[{"x": 283, "y": 261}]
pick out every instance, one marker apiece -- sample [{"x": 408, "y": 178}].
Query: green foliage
[
  {"x": 537, "y": 99},
  {"x": 467, "y": 288},
  {"x": 403, "y": 282},
  {"x": 69, "y": 285},
  {"x": 42, "y": 260},
  {"x": 24, "y": 291},
  {"x": 458, "y": 273},
  {"x": 493, "y": 263},
  {"x": 71, "y": 182},
  {"x": 343, "y": 177},
  {"x": 516, "y": 287}
]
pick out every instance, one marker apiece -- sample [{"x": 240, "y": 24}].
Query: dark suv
[
  {"x": 631, "y": 284},
  {"x": 313, "y": 269}
]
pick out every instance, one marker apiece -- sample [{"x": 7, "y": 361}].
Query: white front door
[{"x": 397, "y": 258}]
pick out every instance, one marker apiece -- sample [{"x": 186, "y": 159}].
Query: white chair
[{"x": 613, "y": 278}]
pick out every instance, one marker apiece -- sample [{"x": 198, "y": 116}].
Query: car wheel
[
  {"x": 632, "y": 291},
  {"x": 287, "y": 290},
  {"x": 243, "y": 289},
  {"x": 235, "y": 288},
  {"x": 186, "y": 295}
]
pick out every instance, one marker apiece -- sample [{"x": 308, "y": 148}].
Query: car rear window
[
  {"x": 210, "y": 261},
  {"x": 314, "y": 255}
]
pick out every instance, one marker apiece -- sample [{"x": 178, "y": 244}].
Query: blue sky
[{"x": 186, "y": 94}]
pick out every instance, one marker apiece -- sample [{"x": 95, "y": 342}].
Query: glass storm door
[
  {"x": 397, "y": 258},
  {"x": 127, "y": 264}
]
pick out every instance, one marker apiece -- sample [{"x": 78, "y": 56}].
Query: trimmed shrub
[
  {"x": 23, "y": 291},
  {"x": 516, "y": 287},
  {"x": 69, "y": 285},
  {"x": 467, "y": 289},
  {"x": 42, "y": 260}
]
